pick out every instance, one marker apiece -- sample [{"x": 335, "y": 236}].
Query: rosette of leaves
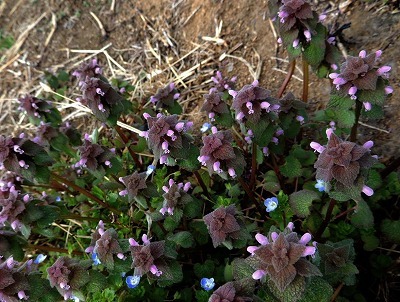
[
  {"x": 13, "y": 281},
  {"x": 343, "y": 161},
  {"x": 40, "y": 110},
  {"x": 25, "y": 157},
  {"x": 169, "y": 141},
  {"x": 220, "y": 156},
  {"x": 235, "y": 291},
  {"x": 223, "y": 83},
  {"x": 281, "y": 257},
  {"x": 166, "y": 98},
  {"x": 223, "y": 226},
  {"x": 68, "y": 276},
  {"x": 94, "y": 157},
  {"x": 107, "y": 246},
  {"x": 216, "y": 107},
  {"x": 53, "y": 139},
  {"x": 175, "y": 196},
  {"x": 104, "y": 101},
  {"x": 336, "y": 262}
]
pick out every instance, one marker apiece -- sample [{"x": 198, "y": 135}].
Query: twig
[
  {"x": 337, "y": 291},
  {"x": 100, "y": 25},
  {"x": 305, "y": 81},
  {"x": 353, "y": 133},
  {"x": 287, "y": 78}
]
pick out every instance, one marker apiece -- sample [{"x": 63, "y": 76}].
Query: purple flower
[
  {"x": 165, "y": 97},
  {"x": 175, "y": 196},
  {"x": 214, "y": 104},
  {"x": 222, "y": 224},
  {"x": 13, "y": 280},
  {"x": 11, "y": 207},
  {"x": 293, "y": 12},
  {"x": 231, "y": 292},
  {"x": 223, "y": 84},
  {"x": 106, "y": 247},
  {"x": 134, "y": 184},
  {"x": 271, "y": 204},
  {"x": 93, "y": 155},
  {"x": 91, "y": 69},
  {"x": 207, "y": 283}
]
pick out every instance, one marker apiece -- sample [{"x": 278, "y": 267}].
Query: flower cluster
[
  {"x": 12, "y": 206},
  {"x": 175, "y": 195},
  {"x": 250, "y": 101},
  {"x": 87, "y": 70},
  {"x": 134, "y": 183},
  {"x": 222, "y": 224},
  {"x": 67, "y": 275},
  {"x": 218, "y": 154},
  {"x": 166, "y": 135},
  {"x": 13, "y": 281},
  {"x": 281, "y": 257},
  {"x": 147, "y": 258},
  {"x": 33, "y": 106},
  {"x": 359, "y": 73},
  {"x": 93, "y": 155},
  {"x": 165, "y": 97},
  {"x": 342, "y": 161},
  {"x": 223, "y": 84},
  {"x": 214, "y": 105}
]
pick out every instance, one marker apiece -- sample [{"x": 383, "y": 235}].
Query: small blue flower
[
  {"x": 58, "y": 198},
  {"x": 207, "y": 284},
  {"x": 205, "y": 127},
  {"x": 132, "y": 281},
  {"x": 321, "y": 185},
  {"x": 150, "y": 169},
  {"x": 96, "y": 260},
  {"x": 271, "y": 204},
  {"x": 40, "y": 258}
]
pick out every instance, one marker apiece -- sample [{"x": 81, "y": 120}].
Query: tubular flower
[
  {"x": 93, "y": 155},
  {"x": 342, "y": 161},
  {"x": 281, "y": 257},
  {"x": 133, "y": 183},
  {"x": 231, "y": 292},
  {"x": 222, "y": 224},
  {"x": 13, "y": 280},
  {"x": 165, "y": 97},
  {"x": 11, "y": 206},
  {"x": 107, "y": 246},
  {"x": 175, "y": 195},
  {"x": 214, "y": 104},
  {"x": 221, "y": 83}
]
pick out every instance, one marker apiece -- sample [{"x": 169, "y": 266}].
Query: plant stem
[
  {"x": 289, "y": 74},
  {"x": 344, "y": 213},
  {"x": 392, "y": 167},
  {"x": 250, "y": 195},
  {"x": 337, "y": 291},
  {"x": 353, "y": 133},
  {"x": 83, "y": 191},
  {"x": 327, "y": 219},
  {"x": 52, "y": 249},
  {"x": 78, "y": 217},
  {"x": 253, "y": 166},
  {"x": 305, "y": 81},
  {"x": 126, "y": 142},
  {"x": 202, "y": 184}
]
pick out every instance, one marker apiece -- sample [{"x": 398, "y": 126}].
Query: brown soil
[{"x": 146, "y": 38}]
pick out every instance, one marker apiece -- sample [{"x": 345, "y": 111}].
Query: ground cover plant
[{"x": 269, "y": 202}]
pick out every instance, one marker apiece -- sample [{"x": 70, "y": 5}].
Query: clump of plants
[{"x": 271, "y": 202}]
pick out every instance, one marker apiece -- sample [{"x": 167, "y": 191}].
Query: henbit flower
[
  {"x": 207, "y": 283},
  {"x": 11, "y": 205},
  {"x": 106, "y": 247},
  {"x": 93, "y": 155},
  {"x": 90, "y": 69},
  {"x": 165, "y": 97},
  {"x": 132, "y": 281},
  {"x": 175, "y": 196},
  {"x": 222, "y": 224},
  {"x": 214, "y": 104},
  {"x": 282, "y": 258},
  {"x": 342, "y": 161},
  {"x": 95, "y": 236},
  {"x": 13, "y": 280},
  {"x": 271, "y": 204},
  {"x": 134, "y": 184},
  {"x": 34, "y": 107},
  {"x": 320, "y": 185},
  {"x": 221, "y": 83}
]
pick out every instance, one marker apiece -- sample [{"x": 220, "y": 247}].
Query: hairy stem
[
  {"x": 289, "y": 74},
  {"x": 353, "y": 133},
  {"x": 337, "y": 291},
  {"x": 327, "y": 219},
  {"x": 305, "y": 81},
  {"x": 83, "y": 191},
  {"x": 131, "y": 152},
  {"x": 253, "y": 166}
]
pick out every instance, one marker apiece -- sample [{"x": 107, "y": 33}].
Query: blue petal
[{"x": 132, "y": 281}]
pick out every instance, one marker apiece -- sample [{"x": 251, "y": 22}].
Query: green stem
[
  {"x": 253, "y": 166},
  {"x": 353, "y": 133},
  {"x": 326, "y": 221},
  {"x": 305, "y": 81},
  {"x": 83, "y": 191},
  {"x": 131, "y": 152},
  {"x": 78, "y": 217},
  {"x": 289, "y": 75}
]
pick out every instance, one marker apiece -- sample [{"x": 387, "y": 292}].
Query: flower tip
[
  {"x": 367, "y": 190},
  {"x": 258, "y": 274}
]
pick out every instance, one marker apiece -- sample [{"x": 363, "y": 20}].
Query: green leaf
[
  {"x": 50, "y": 214},
  {"x": 183, "y": 239},
  {"x": 375, "y": 113},
  {"x": 204, "y": 270},
  {"x": 40, "y": 290},
  {"x": 318, "y": 290},
  {"x": 337, "y": 101},
  {"x": 391, "y": 230},
  {"x": 139, "y": 146},
  {"x": 293, "y": 291},
  {"x": 301, "y": 201},
  {"x": 263, "y": 131},
  {"x": 362, "y": 217},
  {"x": 172, "y": 273},
  {"x": 345, "y": 118},
  {"x": 224, "y": 119},
  {"x": 314, "y": 51},
  {"x": 291, "y": 168},
  {"x": 175, "y": 108},
  {"x": 241, "y": 269},
  {"x": 375, "y": 97},
  {"x": 193, "y": 209}
]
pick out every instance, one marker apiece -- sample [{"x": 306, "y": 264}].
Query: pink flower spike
[
  {"x": 368, "y": 145},
  {"x": 339, "y": 81},
  {"x": 144, "y": 134},
  {"x": 353, "y": 90},
  {"x": 290, "y": 226},
  {"x": 164, "y": 146},
  {"x": 279, "y": 40},
  {"x": 261, "y": 239},
  {"x": 321, "y": 17},
  {"x": 265, "y": 105},
  {"x": 170, "y": 133},
  {"x": 362, "y": 54},
  {"x": 296, "y": 43},
  {"x": 176, "y": 96},
  {"x": 188, "y": 125},
  {"x": 171, "y": 86},
  {"x": 258, "y": 274},
  {"x": 165, "y": 189},
  {"x": 251, "y": 249},
  {"x": 274, "y": 236},
  {"x": 163, "y": 211},
  {"x": 317, "y": 147},
  {"x": 171, "y": 182},
  {"x": 22, "y": 295},
  {"x": 163, "y": 159},
  {"x": 367, "y": 190},
  {"x": 216, "y": 167},
  {"x": 307, "y": 34},
  {"x": 211, "y": 116},
  {"x": 232, "y": 172},
  {"x": 306, "y": 238},
  {"x": 388, "y": 89},
  {"x": 120, "y": 256},
  {"x": 101, "y": 231},
  {"x": 240, "y": 116},
  {"x": 186, "y": 187},
  {"x": 367, "y": 106},
  {"x": 170, "y": 211},
  {"x": 133, "y": 242},
  {"x": 232, "y": 93},
  {"x": 309, "y": 251}
]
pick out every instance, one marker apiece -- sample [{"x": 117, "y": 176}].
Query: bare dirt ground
[{"x": 153, "y": 42}]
